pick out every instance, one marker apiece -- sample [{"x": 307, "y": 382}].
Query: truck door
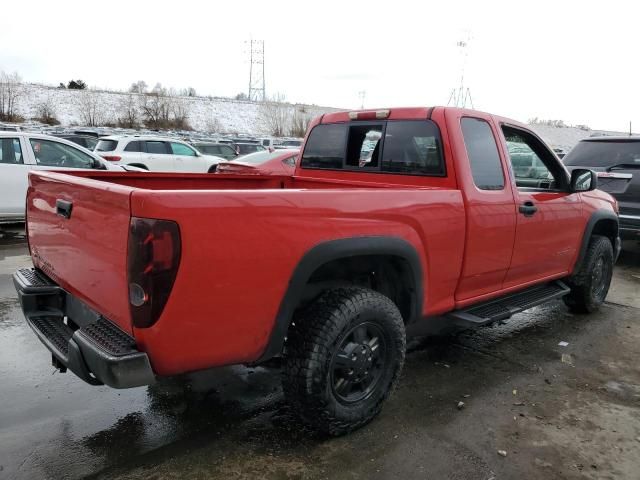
[
  {"x": 549, "y": 217},
  {"x": 489, "y": 204}
]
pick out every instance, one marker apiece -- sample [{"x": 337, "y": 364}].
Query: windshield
[{"x": 604, "y": 154}]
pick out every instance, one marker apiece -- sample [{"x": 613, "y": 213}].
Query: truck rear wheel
[
  {"x": 343, "y": 358},
  {"x": 590, "y": 285}
]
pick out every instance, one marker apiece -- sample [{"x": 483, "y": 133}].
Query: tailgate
[{"x": 78, "y": 231}]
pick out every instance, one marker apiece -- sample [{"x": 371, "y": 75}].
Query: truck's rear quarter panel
[{"x": 241, "y": 247}]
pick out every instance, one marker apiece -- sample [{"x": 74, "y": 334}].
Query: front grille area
[
  {"x": 56, "y": 332},
  {"x": 109, "y": 337}
]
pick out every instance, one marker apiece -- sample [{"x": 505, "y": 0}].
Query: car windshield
[
  {"x": 604, "y": 153},
  {"x": 259, "y": 157}
]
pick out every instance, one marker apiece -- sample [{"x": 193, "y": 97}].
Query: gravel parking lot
[{"x": 551, "y": 411}]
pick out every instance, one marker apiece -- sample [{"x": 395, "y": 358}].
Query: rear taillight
[
  {"x": 152, "y": 262},
  {"x": 112, "y": 158}
]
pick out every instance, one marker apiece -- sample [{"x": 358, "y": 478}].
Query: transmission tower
[
  {"x": 460, "y": 95},
  {"x": 257, "y": 91},
  {"x": 361, "y": 95}
]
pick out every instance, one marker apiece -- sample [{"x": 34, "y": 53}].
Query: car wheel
[
  {"x": 213, "y": 168},
  {"x": 590, "y": 285},
  {"x": 343, "y": 358}
]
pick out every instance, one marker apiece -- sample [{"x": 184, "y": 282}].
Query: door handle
[
  {"x": 528, "y": 209},
  {"x": 63, "y": 208}
]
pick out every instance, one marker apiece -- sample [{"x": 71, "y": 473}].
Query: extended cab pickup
[{"x": 393, "y": 217}]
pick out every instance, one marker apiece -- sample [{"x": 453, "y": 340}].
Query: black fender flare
[
  {"x": 596, "y": 216},
  {"x": 334, "y": 250}
]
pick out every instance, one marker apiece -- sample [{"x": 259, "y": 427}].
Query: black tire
[
  {"x": 213, "y": 168},
  {"x": 327, "y": 342},
  {"x": 590, "y": 285}
]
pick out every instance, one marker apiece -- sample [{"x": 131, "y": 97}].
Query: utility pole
[{"x": 257, "y": 90}]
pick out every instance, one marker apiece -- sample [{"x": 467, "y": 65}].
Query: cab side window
[
  {"x": 531, "y": 162},
  {"x": 10, "y": 151}
]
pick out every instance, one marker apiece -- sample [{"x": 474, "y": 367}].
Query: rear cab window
[
  {"x": 409, "y": 147},
  {"x": 106, "y": 145}
]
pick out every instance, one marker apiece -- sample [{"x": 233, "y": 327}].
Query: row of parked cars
[
  {"x": 21, "y": 152},
  {"x": 615, "y": 159}
]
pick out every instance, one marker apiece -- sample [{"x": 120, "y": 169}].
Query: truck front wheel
[
  {"x": 590, "y": 285},
  {"x": 343, "y": 358}
]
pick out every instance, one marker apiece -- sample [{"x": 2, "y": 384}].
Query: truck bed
[{"x": 238, "y": 234}]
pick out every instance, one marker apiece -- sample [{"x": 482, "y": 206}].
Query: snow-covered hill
[
  {"x": 222, "y": 114},
  {"x": 203, "y": 113}
]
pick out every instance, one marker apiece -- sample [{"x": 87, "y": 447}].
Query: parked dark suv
[{"x": 617, "y": 163}]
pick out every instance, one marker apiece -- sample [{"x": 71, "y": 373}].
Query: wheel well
[
  {"x": 608, "y": 228},
  {"x": 389, "y": 275},
  {"x": 213, "y": 168}
]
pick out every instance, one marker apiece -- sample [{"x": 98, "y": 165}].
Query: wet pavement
[{"x": 557, "y": 412}]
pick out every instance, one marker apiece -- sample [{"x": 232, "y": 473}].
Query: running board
[{"x": 504, "y": 307}]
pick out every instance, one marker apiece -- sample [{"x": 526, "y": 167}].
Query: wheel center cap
[{"x": 362, "y": 358}]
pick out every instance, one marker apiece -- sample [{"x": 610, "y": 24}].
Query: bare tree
[
  {"x": 46, "y": 112},
  {"x": 161, "y": 109},
  {"x": 155, "y": 109},
  {"x": 10, "y": 92},
  {"x": 299, "y": 123},
  {"x": 276, "y": 115},
  {"x": 188, "y": 92},
  {"x": 138, "y": 87},
  {"x": 129, "y": 116},
  {"x": 179, "y": 114},
  {"x": 213, "y": 125},
  {"x": 90, "y": 108}
]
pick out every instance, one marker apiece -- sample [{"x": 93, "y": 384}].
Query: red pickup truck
[{"x": 392, "y": 217}]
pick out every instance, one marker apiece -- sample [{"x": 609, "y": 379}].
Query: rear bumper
[{"x": 79, "y": 338}]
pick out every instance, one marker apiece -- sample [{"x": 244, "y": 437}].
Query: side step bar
[{"x": 504, "y": 307}]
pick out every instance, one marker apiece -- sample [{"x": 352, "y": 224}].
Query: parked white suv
[
  {"x": 156, "y": 154},
  {"x": 21, "y": 152}
]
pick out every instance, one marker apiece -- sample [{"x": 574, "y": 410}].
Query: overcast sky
[{"x": 575, "y": 61}]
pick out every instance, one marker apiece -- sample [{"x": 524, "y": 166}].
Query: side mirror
[{"x": 583, "y": 180}]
